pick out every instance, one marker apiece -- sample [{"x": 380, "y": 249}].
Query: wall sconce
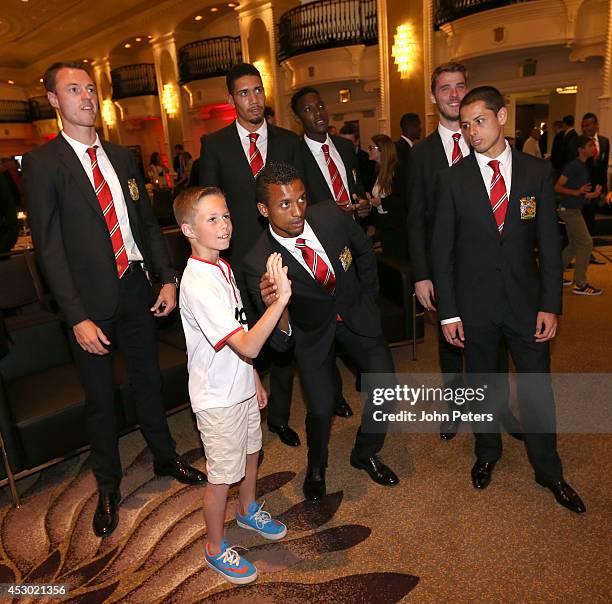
[
  {"x": 344, "y": 95},
  {"x": 170, "y": 99},
  {"x": 108, "y": 112},
  {"x": 404, "y": 50},
  {"x": 567, "y": 90}
]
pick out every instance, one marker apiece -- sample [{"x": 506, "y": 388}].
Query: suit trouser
[
  {"x": 132, "y": 329},
  {"x": 282, "y": 371},
  {"x": 452, "y": 364},
  {"x": 535, "y": 395},
  {"x": 370, "y": 355}
]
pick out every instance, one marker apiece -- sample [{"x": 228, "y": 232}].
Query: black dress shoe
[
  {"x": 593, "y": 260},
  {"x": 106, "y": 515},
  {"x": 286, "y": 434},
  {"x": 448, "y": 430},
  {"x": 314, "y": 483},
  {"x": 481, "y": 474},
  {"x": 565, "y": 495},
  {"x": 342, "y": 409},
  {"x": 180, "y": 471},
  {"x": 377, "y": 470}
]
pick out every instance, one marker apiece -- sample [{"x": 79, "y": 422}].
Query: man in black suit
[
  {"x": 230, "y": 159},
  {"x": 328, "y": 163},
  {"x": 598, "y": 170},
  {"x": 9, "y": 225},
  {"x": 570, "y": 149},
  {"x": 410, "y": 125},
  {"x": 497, "y": 266},
  {"x": 442, "y": 148},
  {"x": 95, "y": 234},
  {"x": 333, "y": 273},
  {"x": 557, "y": 158}
]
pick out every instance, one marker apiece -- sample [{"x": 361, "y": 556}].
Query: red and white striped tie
[
  {"x": 322, "y": 273},
  {"x": 340, "y": 194},
  {"x": 457, "y": 155},
  {"x": 498, "y": 195},
  {"x": 255, "y": 158},
  {"x": 105, "y": 198}
]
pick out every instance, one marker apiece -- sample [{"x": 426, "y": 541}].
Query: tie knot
[
  {"x": 325, "y": 149},
  {"x": 494, "y": 165},
  {"x": 300, "y": 242},
  {"x": 456, "y": 136},
  {"x": 253, "y": 137},
  {"x": 91, "y": 151}
]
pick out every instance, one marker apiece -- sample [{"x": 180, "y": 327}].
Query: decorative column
[
  {"x": 107, "y": 111},
  {"x": 384, "y": 108},
  {"x": 605, "y": 100},
  {"x": 174, "y": 112}
]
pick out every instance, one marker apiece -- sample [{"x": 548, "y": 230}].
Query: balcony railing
[
  {"x": 449, "y": 10},
  {"x": 14, "y": 112},
  {"x": 134, "y": 80},
  {"x": 327, "y": 24},
  {"x": 208, "y": 58},
  {"x": 40, "y": 109}
]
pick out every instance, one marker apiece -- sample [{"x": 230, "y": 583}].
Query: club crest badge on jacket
[
  {"x": 133, "y": 187},
  {"x": 528, "y": 208},
  {"x": 346, "y": 258}
]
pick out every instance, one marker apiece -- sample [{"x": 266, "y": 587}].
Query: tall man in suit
[
  {"x": 95, "y": 234},
  {"x": 444, "y": 147},
  {"x": 497, "y": 266},
  {"x": 598, "y": 170},
  {"x": 334, "y": 279},
  {"x": 231, "y": 159}
]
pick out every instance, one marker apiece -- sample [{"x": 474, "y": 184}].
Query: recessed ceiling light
[
  {"x": 128, "y": 45},
  {"x": 11, "y": 82},
  {"x": 214, "y": 9},
  {"x": 41, "y": 80},
  {"x": 138, "y": 39},
  {"x": 85, "y": 60},
  {"x": 198, "y": 18},
  {"x": 150, "y": 37},
  {"x": 232, "y": 4}
]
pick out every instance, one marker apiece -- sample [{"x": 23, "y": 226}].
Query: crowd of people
[{"x": 284, "y": 232}]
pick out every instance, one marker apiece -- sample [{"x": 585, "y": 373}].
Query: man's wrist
[{"x": 174, "y": 281}]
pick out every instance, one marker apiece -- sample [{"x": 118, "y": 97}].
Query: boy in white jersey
[{"x": 225, "y": 391}]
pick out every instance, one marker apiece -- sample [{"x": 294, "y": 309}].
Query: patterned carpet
[{"x": 431, "y": 539}]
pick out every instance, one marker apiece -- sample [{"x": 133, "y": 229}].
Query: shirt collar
[
  {"x": 289, "y": 242},
  {"x": 80, "y": 148},
  {"x": 504, "y": 158},
  {"x": 445, "y": 133},
  {"x": 315, "y": 146},
  {"x": 262, "y": 131},
  {"x": 408, "y": 140}
]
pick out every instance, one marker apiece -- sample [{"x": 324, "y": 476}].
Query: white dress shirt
[
  {"x": 505, "y": 167},
  {"x": 532, "y": 147},
  {"x": 262, "y": 140},
  {"x": 311, "y": 241},
  {"x": 110, "y": 176},
  {"x": 316, "y": 148},
  {"x": 448, "y": 143},
  {"x": 410, "y": 143}
]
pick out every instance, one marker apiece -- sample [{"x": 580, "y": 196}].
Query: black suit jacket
[
  {"x": 312, "y": 309},
  {"x": 316, "y": 186},
  {"x": 598, "y": 167},
  {"x": 223, "y": 164},
  {"x": 70, "y": 234},
  {"x": 570, "y": 148},
  {"x": 480, "y": 275},
  {"x": 425, "y": 161},
  {"x": 557, "y": 152},
  {"x": 403, "y": 150}
]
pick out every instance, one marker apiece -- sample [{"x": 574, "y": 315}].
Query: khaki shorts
[{"x": 229, "y": 434}]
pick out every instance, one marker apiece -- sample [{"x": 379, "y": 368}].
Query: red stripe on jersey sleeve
[{"x": 221, "y": 343}]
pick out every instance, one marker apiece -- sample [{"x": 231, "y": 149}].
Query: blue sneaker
[
  {"x": 260, "y": 521},
  {"x": 230, "y": 565}
]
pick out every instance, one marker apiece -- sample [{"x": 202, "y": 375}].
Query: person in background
[
  {"x": 9, "y": 225},
  {"x": 332, "y": 131},
  {"x": 556, "y": 151},
  {"x": 532, "y": 144},
  {"x": 176, "y": 160},
  {"x": 269, "y": 115},
  {"x": 366, "y": 169},
  {"x": 157, "y": 172},
  {"x": 410, "y": 125},
  {"x": 186, "y": 164},
  {"x": 543, "y": 143},
  {"x": 575, "y": 189},
  {"x": 388, "y": 197},
  {"x": 570, "y": 151}
]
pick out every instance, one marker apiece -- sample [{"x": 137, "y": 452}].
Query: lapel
[
  {"x": 347, "y": 160},
  {"x": 235, "y": 150},
  {"x": 72, "y": 163},
  {"x": 296, "y": 270},
  {"x": 122, "y": 175},
  {"x": 477, "y": 191},
  {"x": 313, "y": 172},
  {"x": 513, "y": 213},
  {"x": 273, "y": 153},
  {"x": 329, "y": 243},
  {"x": 439, "y": 161}
]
